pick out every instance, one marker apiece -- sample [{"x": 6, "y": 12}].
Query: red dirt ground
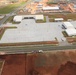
[
  {"x": 49, "y": 63},
  {"x": 14, "y": 65},
  {"x": 68, "y": 69}
]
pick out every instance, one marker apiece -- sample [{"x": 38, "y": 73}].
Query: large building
[
  {"x": 19, "y": 18},
  {"x": 69, "y": 29},
  {"x": 67, "y": 25},
  {"x": 51, "y": 9},
  {"x": 71, "y": 32}
]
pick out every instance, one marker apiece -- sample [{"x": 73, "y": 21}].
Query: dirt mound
[{"x": 68, "y": 69}]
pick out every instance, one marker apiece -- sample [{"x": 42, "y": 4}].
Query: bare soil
[
  {"x": 14, "y": 65},
  {"x": 49, "y": 63}
]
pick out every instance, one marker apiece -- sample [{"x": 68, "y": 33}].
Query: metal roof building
[
  {"x": 58, "y": 19},
  {"x": 17, "y": 18},
  {"x": 68, "y": 25},
  {"x": 39, "y": 17},
  {"x": 20, "y": 17},
  {"x": 50, "y": 8},
  {"x": 71, "y": 32}
]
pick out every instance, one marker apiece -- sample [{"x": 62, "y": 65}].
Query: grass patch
[
  {"x": 2, "y": 30},
  {"x": 15, "y": 22},
  {"x": 9, "y": 8},
  {"x": 44, "y": 19},
  {"x": 41, "y": 21},
  {"x": 10, "y": 19},
  {"x": 71, "y": 16},
  {"x": 65, "y": 34},
  {"x": 53, "y": 16},
  {"x": 51, "y": 19},
  {"x": 1, "y": 33},
  {"x": 64, "y": 16},
  {"x": 0, "y": 18},
  {"x": 49, "y": 3},
  {"x": 10, "y": 27},
  {"x": 1, "y": 63}
]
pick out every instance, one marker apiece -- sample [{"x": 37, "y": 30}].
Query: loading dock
[{"x": 28, "y": 18}]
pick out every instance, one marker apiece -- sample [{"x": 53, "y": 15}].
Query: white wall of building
[
  {"x": 68, "y": 25},
  {"x": 71, "y": 32},
  {"x": 17, "y": 18},
  {"x": 50, "y": 8}
]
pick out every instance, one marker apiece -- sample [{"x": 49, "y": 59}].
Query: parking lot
[{"x": 29, "y": 31}]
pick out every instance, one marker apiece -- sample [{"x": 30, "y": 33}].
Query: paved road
[
  {"x": 3, "y": 20},
  {"x": 29, "y": 49}
]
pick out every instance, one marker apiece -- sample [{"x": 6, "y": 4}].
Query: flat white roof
[
  {"x": 56, "y": 19},
  {"x": 17, "y": 18},
  {"x": 68, "y": 25},
  {"x": 30, "y": 31},
  {"x": 37, "y": 17},
  {"x": 26, "y": 33},
  {"x": 71, "y": 32},
  {"x": 51, "y": 8}
]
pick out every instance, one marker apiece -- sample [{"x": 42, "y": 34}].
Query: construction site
[
  {"x": 49, "y": 63},
  {"x": 40, "y": 43},
  {"x": 47, "y": 6}
]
